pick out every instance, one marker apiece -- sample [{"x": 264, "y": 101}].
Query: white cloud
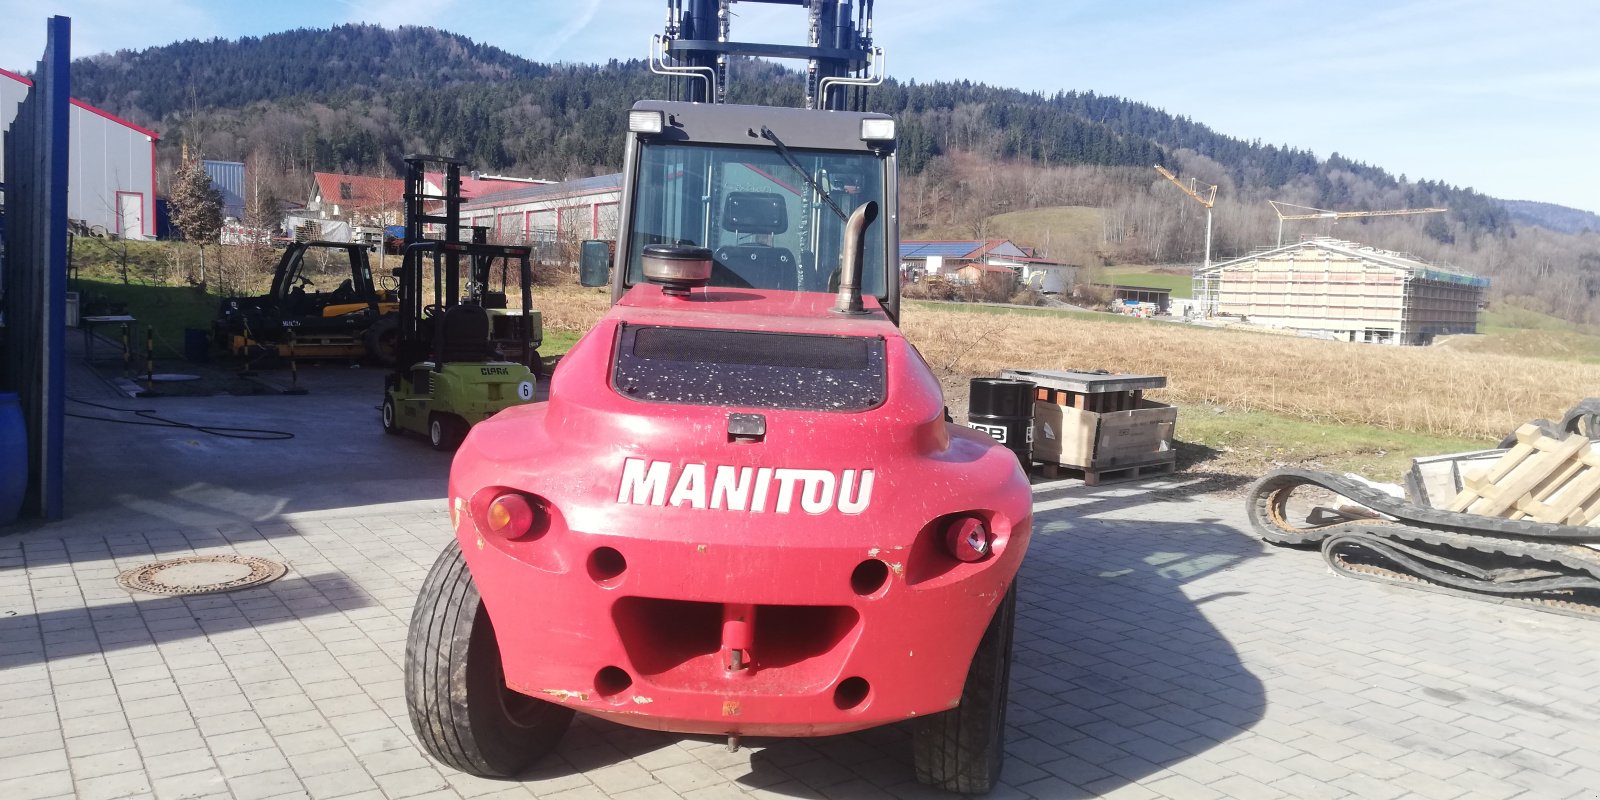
[{"x": 549, "y": 47}]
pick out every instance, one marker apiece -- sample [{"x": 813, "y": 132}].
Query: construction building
[
  {"x": 111, "y": 173},
  {"x": 1334, "y": 289}
]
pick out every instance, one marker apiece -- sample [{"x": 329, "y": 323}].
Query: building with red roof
[{"x": 357, "y": 199}]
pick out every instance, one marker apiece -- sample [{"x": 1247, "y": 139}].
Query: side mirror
[{"x": 677, "y": 268}]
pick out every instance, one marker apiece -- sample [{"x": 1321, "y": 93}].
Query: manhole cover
[{"x": 201, "y": 575}]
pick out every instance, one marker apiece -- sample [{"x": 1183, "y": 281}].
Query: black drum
[{"x": 1004, "y": 409}]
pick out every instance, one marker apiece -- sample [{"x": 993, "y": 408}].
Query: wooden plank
[
  {"x": 1545, "y": 490},
  {"x": 1498, "y": 498},
  {"x": 1478, "y": 481}
]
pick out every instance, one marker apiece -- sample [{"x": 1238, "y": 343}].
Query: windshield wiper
[{"x": 766, "y": 133}]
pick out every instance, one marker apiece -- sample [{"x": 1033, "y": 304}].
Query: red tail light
[
  {"x": 509, "y": 516},
  {"x": 968, "y": 538}
]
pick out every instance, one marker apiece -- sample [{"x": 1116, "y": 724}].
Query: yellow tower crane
[
  {"x": 1208, "y": 198},
  {"x": 1322, "y": 213}
]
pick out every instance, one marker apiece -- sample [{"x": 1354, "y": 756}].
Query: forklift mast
[
  {"x": 418, "y": 218},
  {"x": 841, "y": 60}
]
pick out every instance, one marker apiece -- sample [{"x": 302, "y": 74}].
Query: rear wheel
[
  {"x": 389, "y": 423},
  {"x": 962, "y": 750},
  {"x": 462, "y": 712},
  {"x": 382, "y": 340},
  {"x": 445, "y": 431}
]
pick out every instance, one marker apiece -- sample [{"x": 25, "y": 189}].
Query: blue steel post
[{"x": 57, "y": 64}]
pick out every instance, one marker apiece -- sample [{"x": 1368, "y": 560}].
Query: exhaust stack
[{"x": 855, "y": 236}]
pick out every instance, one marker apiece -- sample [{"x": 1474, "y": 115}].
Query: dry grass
[{"x": 1423, "y": 390}]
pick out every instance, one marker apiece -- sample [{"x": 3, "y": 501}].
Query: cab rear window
[{"x": 756, "y": 369}]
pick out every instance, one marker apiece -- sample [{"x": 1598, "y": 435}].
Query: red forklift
[{"x": 744, "y": 510}]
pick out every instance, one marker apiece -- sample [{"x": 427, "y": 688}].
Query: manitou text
[{"x": 749, "y": 489}]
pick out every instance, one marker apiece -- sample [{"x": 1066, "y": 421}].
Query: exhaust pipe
[{"x": 855, "y": 243}]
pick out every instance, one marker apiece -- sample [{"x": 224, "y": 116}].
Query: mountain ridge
[{"x": 356, "y": 98}]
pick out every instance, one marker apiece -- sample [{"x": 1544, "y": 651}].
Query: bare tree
[{"x": 196, "y": 208}]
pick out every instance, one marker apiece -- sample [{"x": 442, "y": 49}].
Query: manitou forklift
[
  {"x": 743, "y": 511},
  {"x": 462, "y": 356}
]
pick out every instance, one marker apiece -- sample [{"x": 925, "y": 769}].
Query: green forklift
[{"x": 463, "y": 356}]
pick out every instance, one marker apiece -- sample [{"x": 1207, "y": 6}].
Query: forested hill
[
  {"x": 356, "y": 97},
  {"x": 1552, "y": 216}
]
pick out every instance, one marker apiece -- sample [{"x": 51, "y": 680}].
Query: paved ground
[{"x": 1161, "y": 652}]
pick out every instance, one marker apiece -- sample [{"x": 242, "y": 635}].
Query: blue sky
[{"x": 1498, "y": 95}]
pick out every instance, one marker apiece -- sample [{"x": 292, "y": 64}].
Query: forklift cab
[{"x": 767, "y": 190}]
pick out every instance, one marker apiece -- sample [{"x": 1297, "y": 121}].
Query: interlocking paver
[{"x": 1160, "y": 652}]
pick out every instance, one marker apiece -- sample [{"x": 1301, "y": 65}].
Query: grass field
[
  {"x": 1181, "y": 285},
  {"x": 1054, "y": 229},
  {"x": 165, "y": 310},
  {"x": 1508, "y": 330}
]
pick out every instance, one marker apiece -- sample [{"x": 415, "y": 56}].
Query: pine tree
[{"x": 196, "y": 208}]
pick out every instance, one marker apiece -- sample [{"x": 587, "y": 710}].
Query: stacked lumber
[{"x": 1543, "y": 479}]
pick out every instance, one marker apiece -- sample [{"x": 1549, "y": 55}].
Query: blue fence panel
[{"x": 35, "y": 273}]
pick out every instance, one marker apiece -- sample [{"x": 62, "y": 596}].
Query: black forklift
[
  {"x": 462, "y": 353},
  {"x": 354, "y": 320}
]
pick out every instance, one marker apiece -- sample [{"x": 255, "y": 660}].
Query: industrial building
[
  {"x": 111, "y": 181},
  {"x": 1146, "y": 299},
  {"x": 578, "y": 209},
  {"x": 227, "y": 177},
  {"x": 1342, "y": 290}
]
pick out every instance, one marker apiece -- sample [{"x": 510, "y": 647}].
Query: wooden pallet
[
  {"x": 1095, "y": 476},
  {"x": 1540, "y": 479}
]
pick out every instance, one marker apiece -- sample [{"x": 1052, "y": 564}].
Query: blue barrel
[
  {"x": 13, "y": 458},
  {"x": 196, "y": 345}
]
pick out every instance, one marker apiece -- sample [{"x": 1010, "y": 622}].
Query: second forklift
[{"x": 464, "y": 355}]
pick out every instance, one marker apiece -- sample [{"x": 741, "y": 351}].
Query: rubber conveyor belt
[{"x": 1550, "y": 567}]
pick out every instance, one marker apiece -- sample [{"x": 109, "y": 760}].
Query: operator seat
[
  {"x": 461, "y": 334},
  {"x": 751, "y": 265}
]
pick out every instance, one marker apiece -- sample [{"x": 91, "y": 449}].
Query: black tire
[
  {"x": 1584, "y": 418},
  {"x": 382, "y": 340},
  {"x": 462, "y": 712},
  {"x": 390, "y": 425},
  {"x": 1545, "y": 426},
  {"x": 445, "y": 431},
  {"x": 963, "y": 749}
]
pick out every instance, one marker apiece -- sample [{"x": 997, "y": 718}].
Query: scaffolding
[{"x": 1335, "y": 289}]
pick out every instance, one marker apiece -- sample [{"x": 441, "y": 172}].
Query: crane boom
[
  {"x": 1323, "y": 213},
  {"x": 1208, "y": 201}
]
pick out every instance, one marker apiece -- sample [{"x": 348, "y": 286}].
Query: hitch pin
[{"x": 738, "y": 634}]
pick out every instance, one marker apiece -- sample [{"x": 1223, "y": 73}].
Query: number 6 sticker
[{"x": 525, "y": 390}]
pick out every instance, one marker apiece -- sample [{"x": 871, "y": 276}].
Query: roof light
[
  {"x": 645, "y": 121},
  {"x": 877, "y": 130}
]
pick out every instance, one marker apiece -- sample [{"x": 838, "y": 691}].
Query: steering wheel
[
  {"x": 303, "y": 281},
  {"x": 431, "y": 311}
]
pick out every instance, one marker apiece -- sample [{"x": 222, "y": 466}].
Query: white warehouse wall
[{"x": 109, "y": 159}]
